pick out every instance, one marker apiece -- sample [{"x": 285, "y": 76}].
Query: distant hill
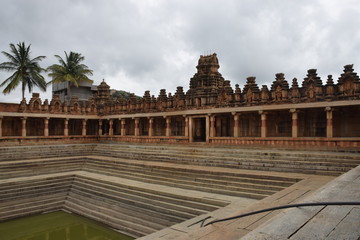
[{"x": 122, "y": 93}]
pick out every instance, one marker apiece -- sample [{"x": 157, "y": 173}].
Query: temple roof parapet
[{"x": 207, "y": 89}]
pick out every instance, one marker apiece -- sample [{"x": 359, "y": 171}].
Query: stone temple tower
[
  {"x": 103, "y": 93},
  {"x": 102, "y": 97},
  {"x": 206, "y": 84}
]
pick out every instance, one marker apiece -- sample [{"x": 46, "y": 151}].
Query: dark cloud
[{"x": 150, "y": 45}]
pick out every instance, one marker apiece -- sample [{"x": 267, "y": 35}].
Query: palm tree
[
  {"x": 70, "y": 70},
  {"x": 26, "y": 70}
]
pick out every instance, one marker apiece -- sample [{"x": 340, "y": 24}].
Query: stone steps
[
  {"x": 32, "y": 205},
  {"x": 228, "y": 177},
  {"x": 140, "y": 207},
  {"x": 132, "y": 230},
  {"x": 130, "y": 208},
  {"x": 328, "y": 166},
  {"x": 249, "y": 156},
  {"x": 253, "y": 186},
  {"x": 153, "y": 191},
  {"x": 206, "y": 205},
  {"x": 21, "y": 168},
  {"x": 311, "y": 162},
  {"x": 11, "y": 187},
  {"x": 39, "y": 208},
  {"x": 25, "y": 196},
  {"x": 44, "y": 151},
  {"x": 114, "y": 211},
  {"x": 178, "y": 210},
  {"x": 147, "y": 217},
  {"x": 17, "y": 203},
  {"x": 172, "y": 209},
  {"x": 148, "y": 210},
  {"x": 226, "y": 152},
  {"x": 181, "y": 180},
  {"x": 32, "y": 192},
  {"x": 77, "y": 149},
  {"x": 161, "y": 178},
  {"x": 311, "y": 168}
]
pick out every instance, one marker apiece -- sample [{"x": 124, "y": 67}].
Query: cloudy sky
[{"x": 149, "y": 45}]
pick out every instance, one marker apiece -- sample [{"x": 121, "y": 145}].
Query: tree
[
  {"x": 70, "y": 70},
  {"x": 26, "y": 70}
]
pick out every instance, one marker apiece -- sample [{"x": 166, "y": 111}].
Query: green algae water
[{"x": 57, "y": 226}]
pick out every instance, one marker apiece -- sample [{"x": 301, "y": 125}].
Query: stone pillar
[
  {"x": 46, "y": 127},
  {"x": 100, "y": 128},
  {"x": 191, "y": 135},
  {"x": 123, "y": 132},
  {"x": 294, "y": 126},
  {"x": 168, "y": 126},
  {"x": 186, "y": 126},
  {"x": 23, "y": 127},
  {"x": 151, "y": 127},
  {"x": 137, "y": 129},
  {"x": 236, "y": 124},
  {"x": 111, "y": 129},
  {"x": 212, "y": 126},
  {"x": 207, "y": 128},
  {"x": 66, "y": 127},
  {"x": 329, "y": 122},
  {"x": 83, "y": 132},
  {"x": 1, "y": 126},
  {"x": 263, "y": 123}
]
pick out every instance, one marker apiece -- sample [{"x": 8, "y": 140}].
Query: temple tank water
[{"x": 57, "y": 225}]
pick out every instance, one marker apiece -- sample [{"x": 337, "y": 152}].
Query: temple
[{"x": 301, "y": 113}]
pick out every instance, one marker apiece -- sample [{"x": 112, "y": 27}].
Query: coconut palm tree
[
  {"x": 70, "y": 70},
  {"x": 26, "y": 70}
]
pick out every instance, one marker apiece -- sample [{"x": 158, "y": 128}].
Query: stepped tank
[{"x": 142, "y": 189}]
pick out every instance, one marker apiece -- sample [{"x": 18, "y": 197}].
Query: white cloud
[{"x": 150, "y": 45}]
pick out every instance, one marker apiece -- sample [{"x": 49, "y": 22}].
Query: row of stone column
[
  {"x": 210, "y": 125},
  {"x": 111, "y": 130},
  {"x": 137, "y": 128},
  {"x": 100, "y": 131},
  {"x": 46, "y": 127},
  {"x": 329, "y": 122},
  {"x": 294, "y": 133}
]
